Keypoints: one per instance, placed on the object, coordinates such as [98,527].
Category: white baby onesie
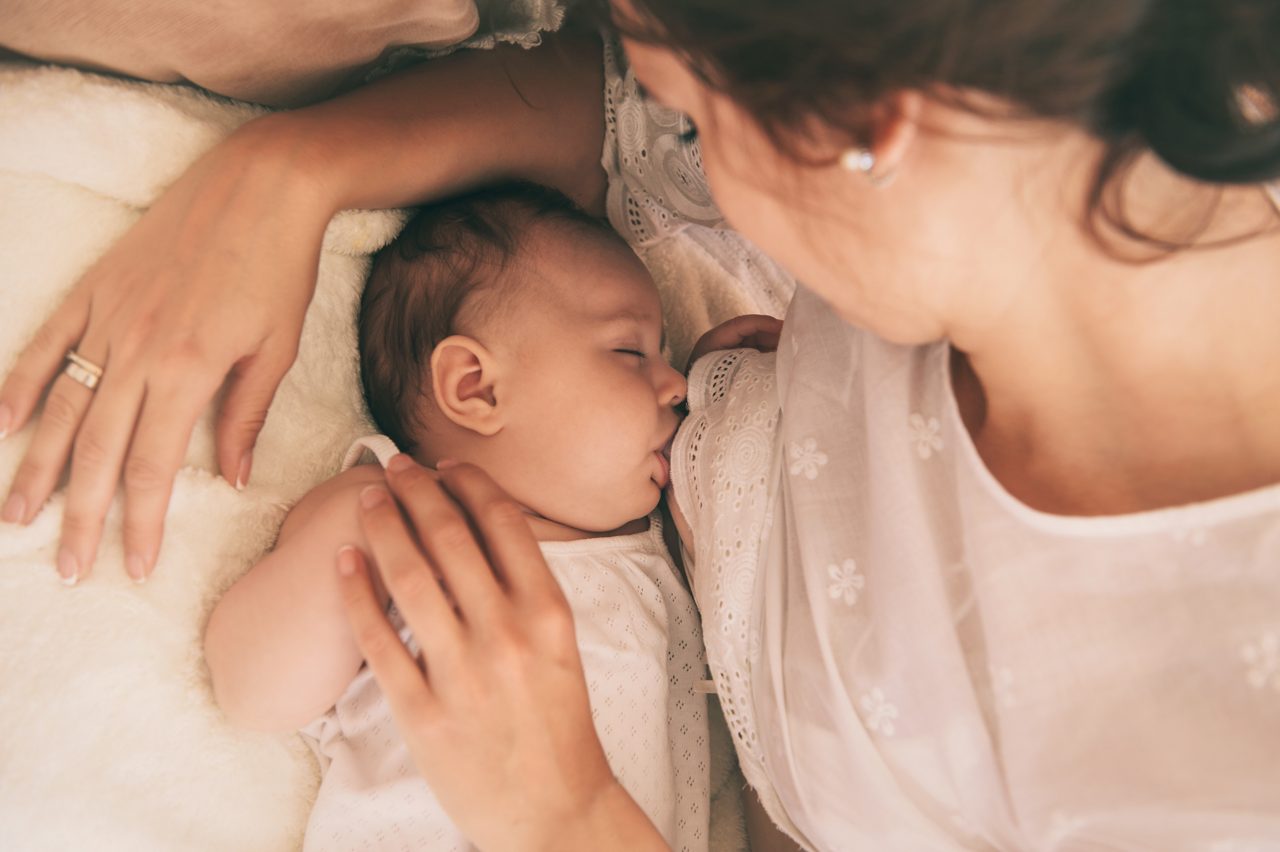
[641,650]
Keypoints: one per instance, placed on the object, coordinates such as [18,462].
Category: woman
[1006,577]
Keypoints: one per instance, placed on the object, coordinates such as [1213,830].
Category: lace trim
[723,483]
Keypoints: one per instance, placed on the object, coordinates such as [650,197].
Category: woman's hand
[211,284]
[495,712]
[214,280]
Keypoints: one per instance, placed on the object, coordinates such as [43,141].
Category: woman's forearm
[445,125]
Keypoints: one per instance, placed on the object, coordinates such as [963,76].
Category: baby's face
[590,399]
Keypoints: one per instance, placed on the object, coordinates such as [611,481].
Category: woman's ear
[895,122]
[464,380]
[892,126]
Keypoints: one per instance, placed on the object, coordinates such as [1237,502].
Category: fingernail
[137,568]
[346,560]
[6,420]
[242,475]
[14,509]
[372,496]
[399,463]
[68,568]
[445,464]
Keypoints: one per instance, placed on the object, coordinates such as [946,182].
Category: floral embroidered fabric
[911,659]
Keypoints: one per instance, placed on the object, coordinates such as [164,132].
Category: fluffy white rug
[109,739]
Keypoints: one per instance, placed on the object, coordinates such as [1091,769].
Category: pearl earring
[862,161]
[859,160]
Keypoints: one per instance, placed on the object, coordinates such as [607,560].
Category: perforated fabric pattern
[722,458]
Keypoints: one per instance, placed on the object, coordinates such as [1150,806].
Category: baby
[508,329]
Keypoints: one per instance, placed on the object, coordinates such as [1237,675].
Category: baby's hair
[446,266]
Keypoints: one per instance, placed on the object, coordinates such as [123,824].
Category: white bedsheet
[108,736]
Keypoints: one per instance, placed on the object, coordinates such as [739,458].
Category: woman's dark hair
[1195,81]
[450,257]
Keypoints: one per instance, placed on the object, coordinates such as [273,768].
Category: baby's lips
[666,448]
[663,479]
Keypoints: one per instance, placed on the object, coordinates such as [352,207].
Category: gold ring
[82,370]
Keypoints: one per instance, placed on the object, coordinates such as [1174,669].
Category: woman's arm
[212,283]
[278,646]
[471,118]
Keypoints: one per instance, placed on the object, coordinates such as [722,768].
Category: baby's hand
[751,331]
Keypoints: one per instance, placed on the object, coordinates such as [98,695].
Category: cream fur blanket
[109,739]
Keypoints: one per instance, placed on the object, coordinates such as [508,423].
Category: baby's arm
[278,646]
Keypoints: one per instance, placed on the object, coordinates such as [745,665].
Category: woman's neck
[1105,386]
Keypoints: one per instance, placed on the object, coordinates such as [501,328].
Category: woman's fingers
[448,539]
[250,389]
[397,672]
[98,452]
[409,578]
[36,368]
[133,427]
[46,455]
[155,455]
[504,530]
[39,363]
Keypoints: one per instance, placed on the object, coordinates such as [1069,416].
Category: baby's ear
[463,381]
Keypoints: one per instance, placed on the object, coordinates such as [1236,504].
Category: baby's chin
[627,525]
[625,516]
[600,517]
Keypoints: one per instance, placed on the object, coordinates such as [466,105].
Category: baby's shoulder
[331,508]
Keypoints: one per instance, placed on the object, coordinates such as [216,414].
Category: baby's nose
[675,388]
